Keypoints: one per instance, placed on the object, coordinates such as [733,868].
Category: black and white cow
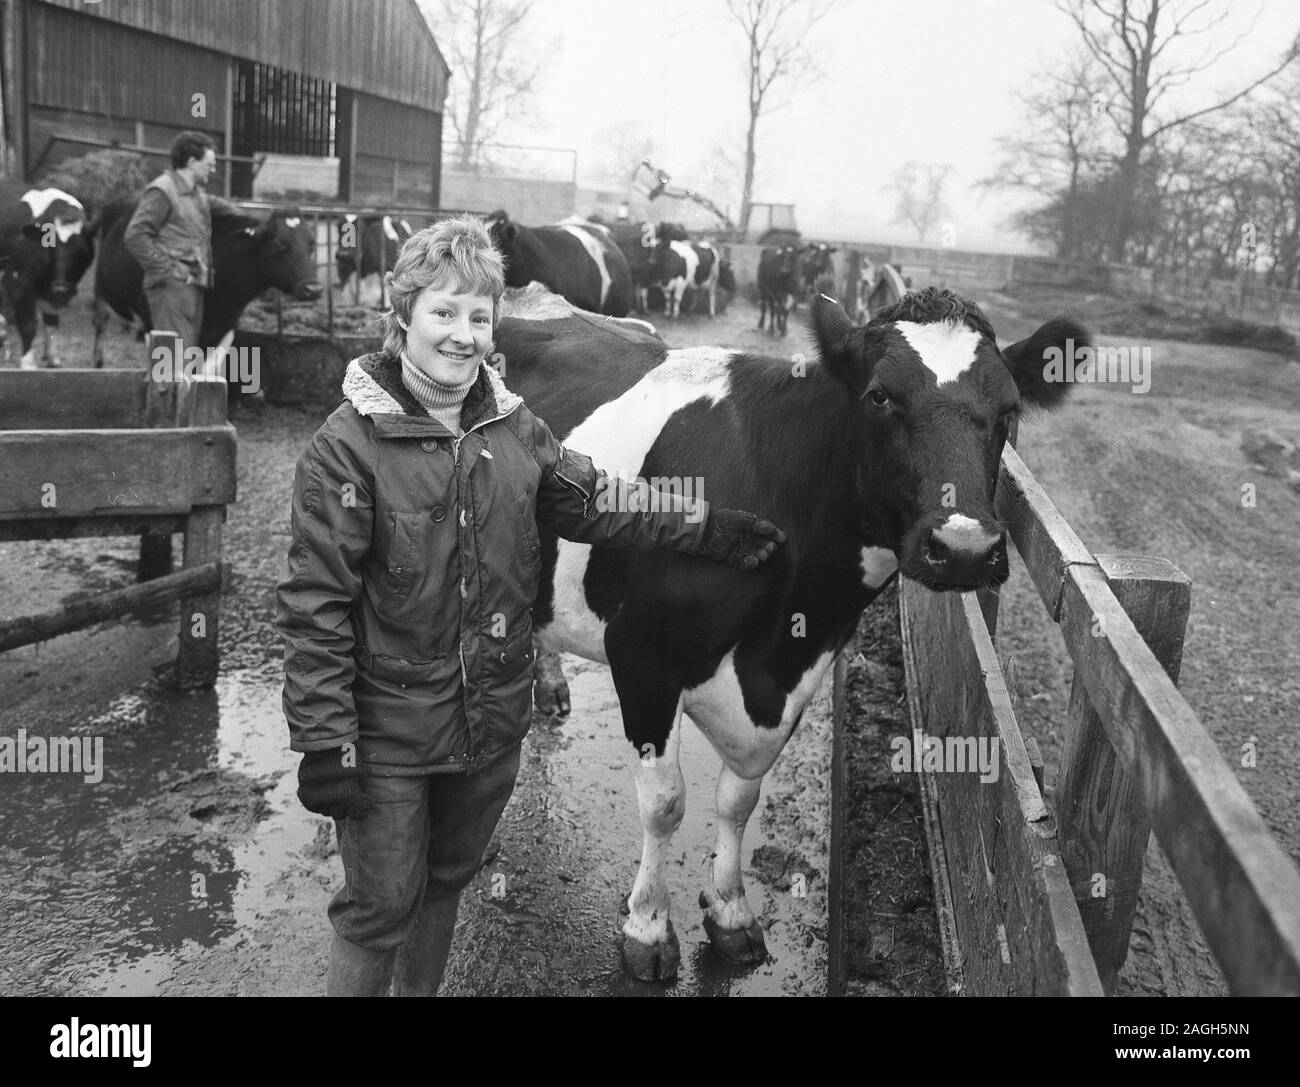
[681,266]
[576,259]
[815,262]
[249,256]
[367,250]
[778,285]
[881,458]
[46,245]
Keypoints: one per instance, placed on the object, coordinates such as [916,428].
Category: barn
[336,99]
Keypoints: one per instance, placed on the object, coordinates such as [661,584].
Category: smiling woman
[407,610]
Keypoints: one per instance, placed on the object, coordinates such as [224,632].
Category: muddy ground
[191,868]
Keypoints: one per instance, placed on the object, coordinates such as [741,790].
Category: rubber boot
[358,971]
[422,959]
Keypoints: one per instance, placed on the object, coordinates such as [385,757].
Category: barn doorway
[292,119]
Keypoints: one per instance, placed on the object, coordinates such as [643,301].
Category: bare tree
[776,36]
[494,64]
[1058,153]
[918,195]
[1134,42]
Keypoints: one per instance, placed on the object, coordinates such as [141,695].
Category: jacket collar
[373,385]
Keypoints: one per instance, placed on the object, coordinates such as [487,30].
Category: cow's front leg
[25,315]
[49,344]
[731,926]
[550,689]
[650,948]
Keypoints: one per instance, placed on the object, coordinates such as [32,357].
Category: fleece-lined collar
[373,384]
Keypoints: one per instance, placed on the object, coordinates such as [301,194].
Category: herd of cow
[882,460]
[47,243]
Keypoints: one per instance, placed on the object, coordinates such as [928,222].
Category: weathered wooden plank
[108,605]
[198,658]
[72,474]
[70,528]
[1017,923]
[945,913]
[1104,827]
[1239,881]
[71,399]
[1047,543]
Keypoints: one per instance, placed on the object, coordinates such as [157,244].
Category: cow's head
[933,399]
[502,231]
[286,254]
[59,247]
[816,260]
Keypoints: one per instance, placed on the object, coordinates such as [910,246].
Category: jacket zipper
[573,484]
[464,593]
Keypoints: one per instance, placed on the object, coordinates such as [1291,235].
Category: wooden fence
[1039,897]
[122,453]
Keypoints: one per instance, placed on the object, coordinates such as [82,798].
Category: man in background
[170,234]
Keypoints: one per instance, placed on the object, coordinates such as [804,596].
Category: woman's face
[449,334]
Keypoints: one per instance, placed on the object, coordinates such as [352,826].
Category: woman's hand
[329,784]
[740,539]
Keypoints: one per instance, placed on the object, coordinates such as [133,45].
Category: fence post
[1101,816]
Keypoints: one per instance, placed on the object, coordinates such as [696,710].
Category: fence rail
[1024,876]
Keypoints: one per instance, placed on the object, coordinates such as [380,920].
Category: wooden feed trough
[119,453]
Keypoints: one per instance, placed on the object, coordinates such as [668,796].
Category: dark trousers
[425,837]
[178,308]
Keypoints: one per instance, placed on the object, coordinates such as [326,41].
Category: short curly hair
[454,253]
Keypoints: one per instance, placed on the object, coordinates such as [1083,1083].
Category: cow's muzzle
[307,292]
[954,551]
[60,294]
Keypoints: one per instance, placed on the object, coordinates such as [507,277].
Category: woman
[406,609]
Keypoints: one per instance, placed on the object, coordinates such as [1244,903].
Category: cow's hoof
[740,945]
[652,962]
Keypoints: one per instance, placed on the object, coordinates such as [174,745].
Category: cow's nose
[309,292]
[967,553]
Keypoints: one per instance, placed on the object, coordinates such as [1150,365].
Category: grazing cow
[878,286]
[882,458]
[683,266]
[814,263]
[577,259]
[376,242]
[249,256]
[46,245]
[778,285]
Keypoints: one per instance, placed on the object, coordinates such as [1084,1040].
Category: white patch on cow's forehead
[597,254]
[946,347]
[878,566]
[960,520]
[63,231]
[39,200]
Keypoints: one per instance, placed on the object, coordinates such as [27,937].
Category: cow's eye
[878,397]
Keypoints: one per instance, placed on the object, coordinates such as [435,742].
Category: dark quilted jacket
[414,566]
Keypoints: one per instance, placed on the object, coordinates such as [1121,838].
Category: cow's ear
[1038,362]
[839,341]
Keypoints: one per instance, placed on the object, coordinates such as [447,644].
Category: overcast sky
[930,80]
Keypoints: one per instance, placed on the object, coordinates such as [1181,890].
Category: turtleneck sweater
[443,402]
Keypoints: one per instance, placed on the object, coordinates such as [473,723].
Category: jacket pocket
[403,553]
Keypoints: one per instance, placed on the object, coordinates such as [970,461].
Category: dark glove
[328,787]
[740,539]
